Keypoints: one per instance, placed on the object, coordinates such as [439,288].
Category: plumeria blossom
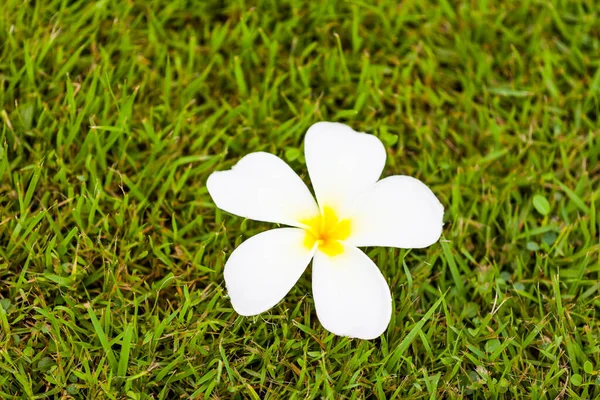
[353,209]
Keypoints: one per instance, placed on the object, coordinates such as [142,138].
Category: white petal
[262,187]
[351,296]
[398,211]
[341,162]
[263,269]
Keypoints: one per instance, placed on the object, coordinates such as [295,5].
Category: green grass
[112,252]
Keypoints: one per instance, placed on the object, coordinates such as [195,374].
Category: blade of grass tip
[239,77]
[345,70]
[31,188]
[557,296]
[125,348]
[20,196]
[453,268]
[4,322]
[226,364]
[4,167]
[403,346]
[168,368]
[409,279]
[573,197]
[103,339]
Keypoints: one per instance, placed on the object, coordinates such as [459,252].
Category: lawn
[114,113]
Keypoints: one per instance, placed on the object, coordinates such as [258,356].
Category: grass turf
[111,251]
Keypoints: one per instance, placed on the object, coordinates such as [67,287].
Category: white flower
[353,209]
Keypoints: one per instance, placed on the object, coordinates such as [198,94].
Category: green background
[112,252]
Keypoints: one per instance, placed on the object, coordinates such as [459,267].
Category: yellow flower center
[327,231]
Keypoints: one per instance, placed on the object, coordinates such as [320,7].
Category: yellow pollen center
[327,231]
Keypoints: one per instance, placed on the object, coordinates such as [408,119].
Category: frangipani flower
[353,209]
